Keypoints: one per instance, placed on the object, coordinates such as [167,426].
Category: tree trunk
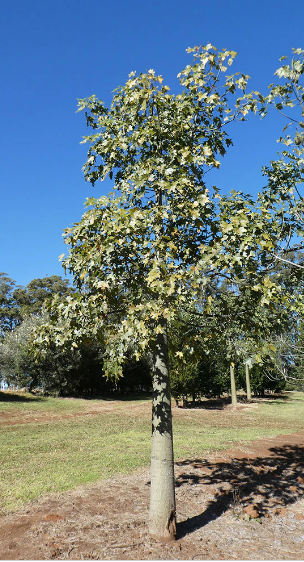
[233,391]
[248,389]
[162,500]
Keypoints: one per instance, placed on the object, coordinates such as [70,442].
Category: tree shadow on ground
[7,396]
[14,397]
[223,402]
[118,397]
[269,482]
[209,404]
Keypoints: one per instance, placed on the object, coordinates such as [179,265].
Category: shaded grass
[48,455]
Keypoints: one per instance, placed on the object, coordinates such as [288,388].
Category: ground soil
[246,503]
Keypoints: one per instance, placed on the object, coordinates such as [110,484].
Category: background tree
[34,296]
[66,371]
[21,311]
[9,309]
[17,367]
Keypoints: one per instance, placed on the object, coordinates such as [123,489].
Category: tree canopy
[139,253]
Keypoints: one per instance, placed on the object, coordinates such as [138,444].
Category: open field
[84,463]
[54,444]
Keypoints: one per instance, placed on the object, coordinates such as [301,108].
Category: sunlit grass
[39,456]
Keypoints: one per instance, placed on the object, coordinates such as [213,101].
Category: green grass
[199,431]
[15,402]
[42,453]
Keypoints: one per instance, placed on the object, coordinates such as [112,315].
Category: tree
[282,193]
[17,366]
[214,371]
[292,354]
[20,312]
[138,255]
[58,372]
[9,310]
[31,298]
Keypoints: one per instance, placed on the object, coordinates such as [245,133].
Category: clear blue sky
[55,51]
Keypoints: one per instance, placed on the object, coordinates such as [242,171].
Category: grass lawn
[54,444]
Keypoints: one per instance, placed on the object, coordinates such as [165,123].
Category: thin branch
[288,261]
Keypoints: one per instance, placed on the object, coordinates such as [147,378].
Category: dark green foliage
[185,382]
[70,371]
[64,372]
[214,376]
[16,364]
[30,299]
[61,371]
[294,350]
[265,378]
[9,309]
[137,376]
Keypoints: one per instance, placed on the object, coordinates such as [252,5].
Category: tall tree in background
[17,367]
[9,309]
[139,255]
[30,299]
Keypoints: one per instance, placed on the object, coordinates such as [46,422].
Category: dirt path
[108,520]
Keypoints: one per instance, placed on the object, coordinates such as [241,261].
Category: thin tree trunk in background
[233,390]
[162,523]
[248,389]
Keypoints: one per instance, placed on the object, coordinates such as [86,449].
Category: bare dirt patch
[7,419]
[217,495]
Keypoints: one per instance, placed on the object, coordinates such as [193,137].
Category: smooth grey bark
[233,390]
[248,389]
[162,523]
